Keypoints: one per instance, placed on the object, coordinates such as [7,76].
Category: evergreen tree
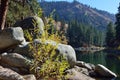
[110,34]
[79,34]
[19,9]
[118,24]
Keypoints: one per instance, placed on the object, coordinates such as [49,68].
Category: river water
[104,58]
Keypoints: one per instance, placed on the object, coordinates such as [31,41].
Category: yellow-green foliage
[51,33]
[47,64]
[118,48]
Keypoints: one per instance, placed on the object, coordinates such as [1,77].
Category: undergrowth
[46,65]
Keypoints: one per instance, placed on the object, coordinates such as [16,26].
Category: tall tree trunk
[3,12]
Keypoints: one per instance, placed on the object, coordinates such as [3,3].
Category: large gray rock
[65,50]
[68,52]
[32,23]
[104,72]
[7,74]
[11,37]
[15,60]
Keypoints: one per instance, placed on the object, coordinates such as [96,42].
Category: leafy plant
[47,63]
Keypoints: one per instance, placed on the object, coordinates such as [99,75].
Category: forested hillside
[77,11]
[84,35]
[87,26]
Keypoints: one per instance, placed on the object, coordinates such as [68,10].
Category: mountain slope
[76,11]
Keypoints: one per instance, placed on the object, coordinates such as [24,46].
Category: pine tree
[118,24]
[110,34]
[19,9]
[79,34]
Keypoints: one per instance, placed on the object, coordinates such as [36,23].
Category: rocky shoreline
[15,56]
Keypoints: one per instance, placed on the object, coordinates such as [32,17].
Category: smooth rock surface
[7,74]
[22,71]
[31,23]
[15,60]
[85,65]
[11,37]
[75,75]
[68,52]
[29,77]
[104,72]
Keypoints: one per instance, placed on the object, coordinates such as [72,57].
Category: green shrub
[46,65]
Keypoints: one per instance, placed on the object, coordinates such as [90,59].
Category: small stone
[29,77]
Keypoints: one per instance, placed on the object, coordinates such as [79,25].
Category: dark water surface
[104,58]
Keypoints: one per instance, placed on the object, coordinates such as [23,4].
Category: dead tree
[3,12]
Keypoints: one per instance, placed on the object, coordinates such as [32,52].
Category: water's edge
[105,58]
